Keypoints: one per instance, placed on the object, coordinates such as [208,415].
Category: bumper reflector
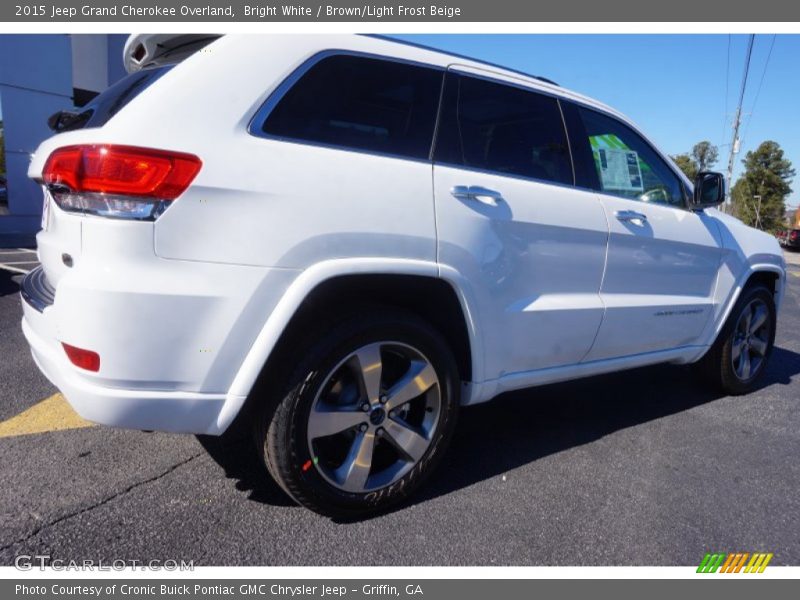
[85,359]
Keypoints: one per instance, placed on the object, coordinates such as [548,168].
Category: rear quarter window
[361,103]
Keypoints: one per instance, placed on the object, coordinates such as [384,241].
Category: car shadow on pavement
[7,284]
[524,426]
[237,456]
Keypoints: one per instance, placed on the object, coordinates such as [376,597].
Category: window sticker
[617,164]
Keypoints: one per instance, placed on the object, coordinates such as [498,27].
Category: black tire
[282,427]
[719,366]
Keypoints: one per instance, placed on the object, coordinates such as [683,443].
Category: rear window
[361,103]
[102,108]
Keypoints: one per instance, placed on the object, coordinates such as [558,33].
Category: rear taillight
[793,236]
[118,181]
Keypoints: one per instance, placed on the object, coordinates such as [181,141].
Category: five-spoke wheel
[739,356]
[751,339]
[365,416]
[374,416]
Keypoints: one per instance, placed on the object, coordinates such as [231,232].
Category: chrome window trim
[262,113]
[453,69]
[487,75]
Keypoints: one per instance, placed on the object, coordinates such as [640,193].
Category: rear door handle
[630,215]
[478,193]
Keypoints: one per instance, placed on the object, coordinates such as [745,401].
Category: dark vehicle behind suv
[789,238]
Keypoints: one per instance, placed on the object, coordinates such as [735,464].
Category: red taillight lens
[118,181]
[122,171]
[85,359]
[793,235]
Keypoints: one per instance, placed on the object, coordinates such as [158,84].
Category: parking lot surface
[642,468]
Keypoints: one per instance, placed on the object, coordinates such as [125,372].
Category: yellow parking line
[51,414]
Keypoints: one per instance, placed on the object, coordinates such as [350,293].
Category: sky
[679,89]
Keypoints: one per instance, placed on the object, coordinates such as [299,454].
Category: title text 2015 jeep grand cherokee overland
[339,240]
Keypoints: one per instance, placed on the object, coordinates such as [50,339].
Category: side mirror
[709,190]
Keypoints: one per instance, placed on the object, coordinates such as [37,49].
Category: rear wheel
[739,357]
[365,416]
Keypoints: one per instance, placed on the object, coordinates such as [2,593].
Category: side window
[625,164]
[361,103]
[502,128]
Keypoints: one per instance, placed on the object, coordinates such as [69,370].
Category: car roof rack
[463,56]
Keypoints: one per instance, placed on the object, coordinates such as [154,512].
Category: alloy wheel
[751,340]
[374,417]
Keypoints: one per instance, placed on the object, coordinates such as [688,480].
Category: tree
[744,204]
[763,187]
[705,155]
[702,157]
[686,164]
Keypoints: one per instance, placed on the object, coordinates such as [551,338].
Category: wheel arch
[769,274]
[440,296]
[769,277]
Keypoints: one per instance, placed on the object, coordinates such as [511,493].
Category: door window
[624,163]
[502,128]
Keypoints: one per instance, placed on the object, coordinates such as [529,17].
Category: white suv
[336,241]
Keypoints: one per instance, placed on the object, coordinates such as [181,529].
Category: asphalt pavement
[643,467]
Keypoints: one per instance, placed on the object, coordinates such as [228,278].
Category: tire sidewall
[312,373]
[728,373]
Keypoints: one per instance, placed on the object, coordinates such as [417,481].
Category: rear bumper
[171,335]
[182,412]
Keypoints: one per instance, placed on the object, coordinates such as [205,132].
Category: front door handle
[630,215]
[478,193]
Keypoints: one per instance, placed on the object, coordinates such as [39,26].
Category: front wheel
[740,355]
[365,417]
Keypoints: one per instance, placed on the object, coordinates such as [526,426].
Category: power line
[746,68]
[738,119]
[758,91]
[727,79]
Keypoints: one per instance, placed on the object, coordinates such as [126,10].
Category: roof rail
[464,56]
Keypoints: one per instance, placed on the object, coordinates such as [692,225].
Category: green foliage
[705,155]
[767,176]
[686,164]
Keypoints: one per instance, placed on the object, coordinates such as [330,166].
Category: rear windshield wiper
[67,120]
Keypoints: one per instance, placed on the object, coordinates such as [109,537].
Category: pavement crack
[102,502]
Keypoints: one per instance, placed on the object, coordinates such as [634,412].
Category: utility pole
[758,211]
[737,121]
[734,151]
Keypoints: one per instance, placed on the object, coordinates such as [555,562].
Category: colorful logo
[734,562]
